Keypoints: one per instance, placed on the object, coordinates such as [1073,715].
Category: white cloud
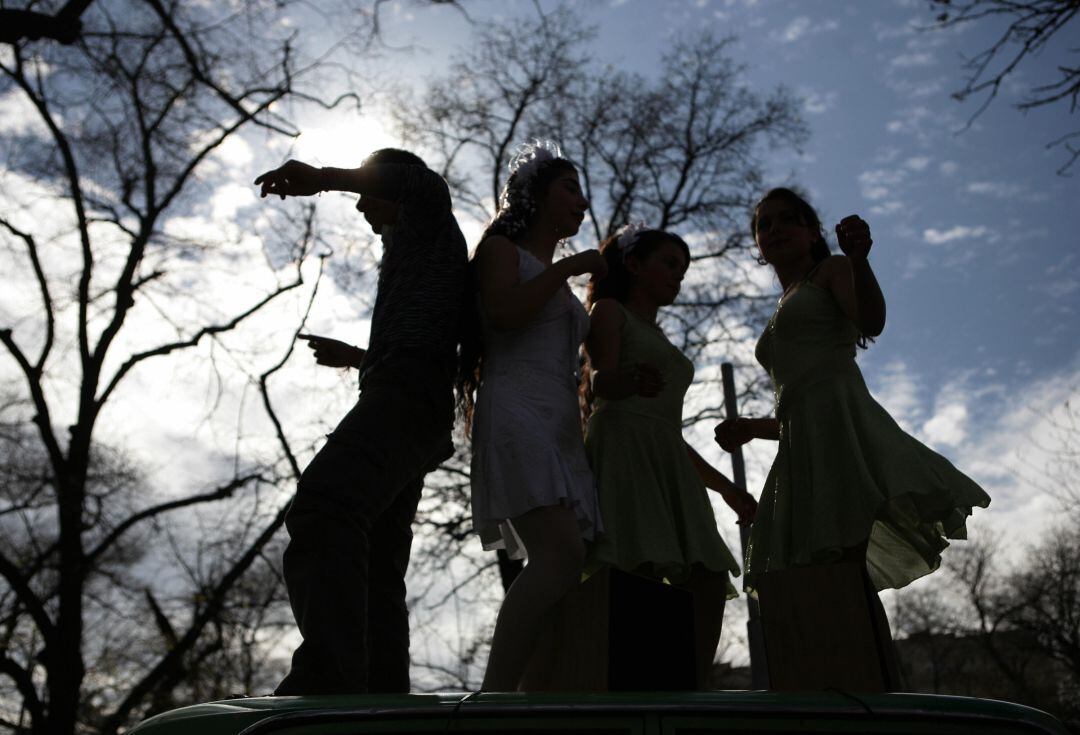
[230,198]
[795,29]
[958,232]
[948,168]
[998,189]
[897,390]
[1004,435]
[19,117]
[918,163]
[1060,288]
[1018,442]
[802,26]
[235,152]
[921,88]
[887,154]
[878,184]
[887,208]
[910,121]
[816,103]
[905,61]
[913,265]
[884,32]
[947,425]
[1065,265]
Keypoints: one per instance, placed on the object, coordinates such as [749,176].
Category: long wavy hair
[515,215]
[617,283]
[819,249]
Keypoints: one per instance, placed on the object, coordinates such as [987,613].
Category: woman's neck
[792,272]
[644,307]
[541,243]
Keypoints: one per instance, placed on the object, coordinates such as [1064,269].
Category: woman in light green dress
[847,484]
[651,484]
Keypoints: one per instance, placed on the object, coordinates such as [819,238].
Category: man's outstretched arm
[299,179]
[334,352]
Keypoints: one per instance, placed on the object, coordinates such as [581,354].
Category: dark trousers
[350,531]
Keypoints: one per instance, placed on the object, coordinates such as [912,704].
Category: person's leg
[388,615]
[372,455]
[325,570]
[556,555]
[891,675]
[710,596]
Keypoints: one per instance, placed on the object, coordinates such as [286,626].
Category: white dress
[528,450]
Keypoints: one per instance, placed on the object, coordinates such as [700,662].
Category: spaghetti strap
[810,273]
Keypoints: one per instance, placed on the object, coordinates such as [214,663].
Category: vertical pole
[759,672]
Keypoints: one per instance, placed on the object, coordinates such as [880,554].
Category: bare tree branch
[224,491]
[25,684]
[1032,25]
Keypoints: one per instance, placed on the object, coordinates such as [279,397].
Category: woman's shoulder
[496,242]
[829,268]
[607,312]
[497,248]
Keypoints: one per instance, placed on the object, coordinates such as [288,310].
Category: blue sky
[974,232]
[975,235]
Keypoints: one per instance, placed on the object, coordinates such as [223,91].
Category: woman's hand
[743,503]
[333,352]
[731,434]
[853,237]
[587,261]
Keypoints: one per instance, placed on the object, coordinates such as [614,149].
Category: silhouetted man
[350,525]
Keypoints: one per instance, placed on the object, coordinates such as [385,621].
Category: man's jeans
[350,529]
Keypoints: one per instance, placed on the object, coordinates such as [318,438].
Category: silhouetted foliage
[989,627]
[1033,27]
[110,260]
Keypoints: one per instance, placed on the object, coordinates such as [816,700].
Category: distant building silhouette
[1009,665]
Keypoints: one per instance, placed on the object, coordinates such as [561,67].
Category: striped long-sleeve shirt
[422,275]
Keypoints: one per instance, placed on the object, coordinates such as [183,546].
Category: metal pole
[759,671]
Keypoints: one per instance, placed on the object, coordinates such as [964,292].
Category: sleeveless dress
[657,517]
[527,449]
[845,473]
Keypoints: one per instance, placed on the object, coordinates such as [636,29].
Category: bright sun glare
[342,140]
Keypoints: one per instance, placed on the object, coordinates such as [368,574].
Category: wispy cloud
[878,184]
[998,189]
[1062,288]
[920,88]
[18,116]
[815,103]
[917,163]
[1001,432]
[802,26]
[230,199]
[909,60]
[910,121]
[948,425]
[935,236]
[897,390]
[887,208]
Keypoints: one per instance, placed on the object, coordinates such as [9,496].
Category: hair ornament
[628,236]
[517,203]
[528,157]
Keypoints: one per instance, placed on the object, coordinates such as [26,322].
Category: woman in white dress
[532,490]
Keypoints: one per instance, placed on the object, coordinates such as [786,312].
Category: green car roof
[626,712]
